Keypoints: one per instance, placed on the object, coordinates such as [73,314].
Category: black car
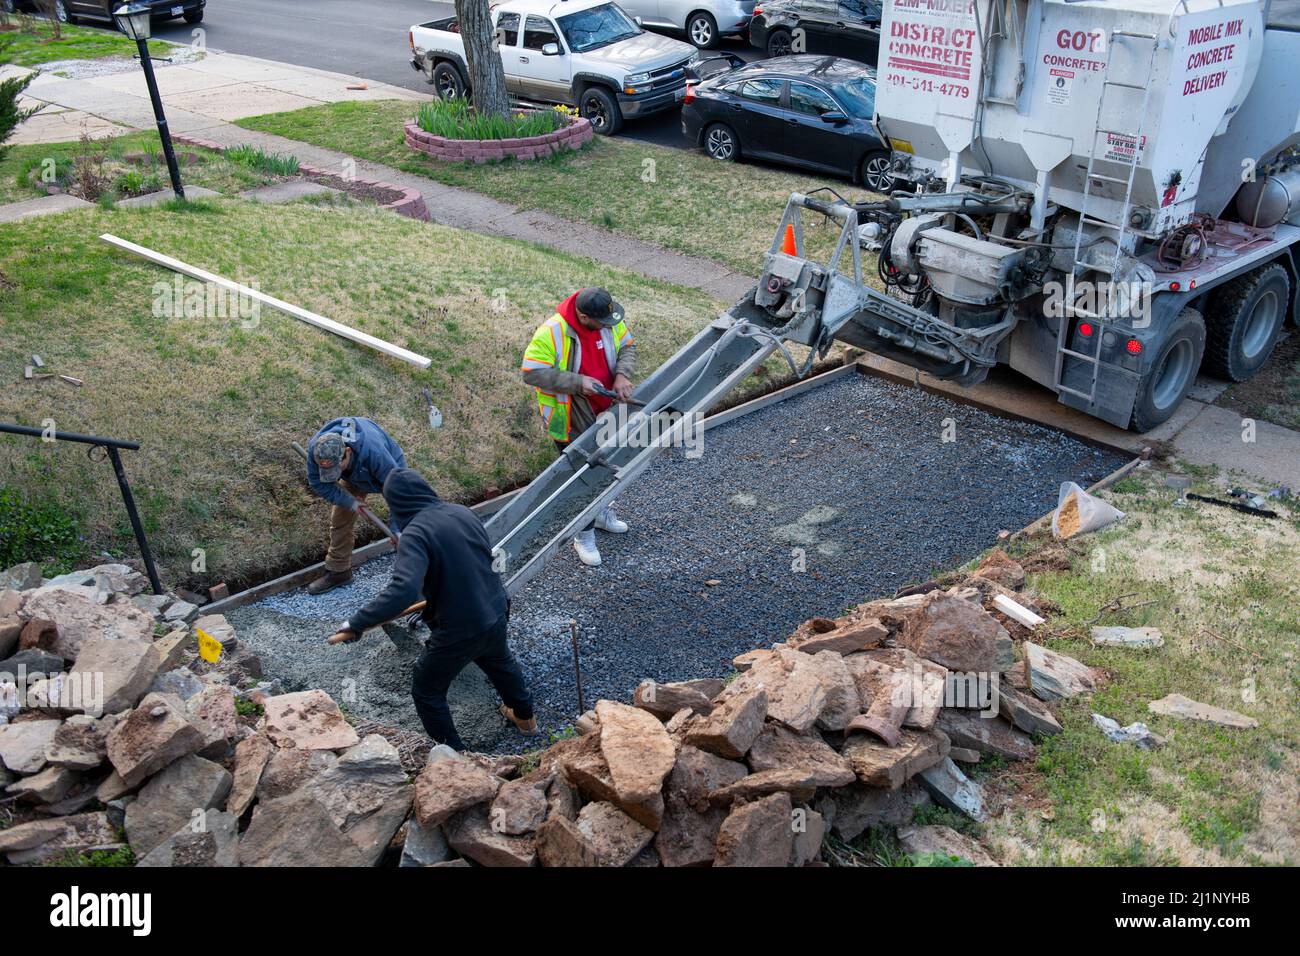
[847,28]
[70,11]
[811,111]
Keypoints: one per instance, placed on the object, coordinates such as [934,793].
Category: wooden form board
[311,318]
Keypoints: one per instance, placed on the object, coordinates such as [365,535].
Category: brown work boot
[528,726]
[329,581]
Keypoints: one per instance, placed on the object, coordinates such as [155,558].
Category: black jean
[444,658]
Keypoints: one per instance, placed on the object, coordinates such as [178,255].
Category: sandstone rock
[172,649]
[821,634]
[679,724]
[562,798]
[80,742]
[614,836]
[215,706]
[698,773]
[423,846]
[1026,712]
[212,842]
[809,831]
[955,633]
[22,745]
[38,634]
[792,681]
[80,618]
[799,784]
[180,682]
[1000,567]
[842,700]
[219,629]
[373,833]
[988,735]
[690,824]
[943,840]
[1054,676]
[365,792]
[757,834]
[11,629]
[178,612]
[520,805]
[21,577]
[743,662]
[251,757]
[44,840]
[112,788]
[664,700]
[850,810]
[926,686]
[780,748]
[48,786]
[150,737]
[296,831]
[11,603]
[309,720]
[30,665]
[637,750]
[128,667]
[447,787]
[953,789]
[561,843]
[587,723]
[289,770]
[964,755]
[732,726]
[169,800]
[890,703]
[1176,705]
[586,769]
[471,835]
[879,765]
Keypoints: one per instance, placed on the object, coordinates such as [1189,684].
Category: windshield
[858,97]
[596,27]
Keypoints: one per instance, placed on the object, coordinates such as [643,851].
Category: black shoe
[329,581]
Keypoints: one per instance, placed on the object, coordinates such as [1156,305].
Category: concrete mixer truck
[1108,198]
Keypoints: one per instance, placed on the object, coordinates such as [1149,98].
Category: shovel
[435,416]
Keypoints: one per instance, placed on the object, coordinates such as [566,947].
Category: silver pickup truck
[583,53]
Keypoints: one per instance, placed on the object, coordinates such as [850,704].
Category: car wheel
[447,82]
[779,43]
[1245,317]
[721,143]
[9,6]
[61,11]
[599,108]
[702,30]
[193,16]
[877,172]
[1163,388]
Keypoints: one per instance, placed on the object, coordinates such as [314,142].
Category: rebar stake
[577,667]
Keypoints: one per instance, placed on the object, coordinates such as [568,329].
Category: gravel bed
[804,508]
[110,65]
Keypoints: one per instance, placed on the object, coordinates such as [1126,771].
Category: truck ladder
[1092,177]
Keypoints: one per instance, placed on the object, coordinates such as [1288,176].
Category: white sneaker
[585,544]
[608,521]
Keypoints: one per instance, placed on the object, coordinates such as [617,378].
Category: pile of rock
[850,723]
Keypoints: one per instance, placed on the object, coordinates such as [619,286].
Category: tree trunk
[487,77]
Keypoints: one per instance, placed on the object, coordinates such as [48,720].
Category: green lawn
[37,45]
[678,199]
[215,405]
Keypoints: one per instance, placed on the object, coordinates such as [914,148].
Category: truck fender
[434,57]
[583,80]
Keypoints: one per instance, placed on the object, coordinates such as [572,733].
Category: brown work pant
[343,533]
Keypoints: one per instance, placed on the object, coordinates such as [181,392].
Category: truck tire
[447,81]
[599,108]
[192,16]
[779,43]
[702,30]
[1245,317]
[1163,388]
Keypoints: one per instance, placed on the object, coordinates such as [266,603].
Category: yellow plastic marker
[209,646]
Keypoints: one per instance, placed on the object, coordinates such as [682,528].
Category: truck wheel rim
[721,145]
[701,32]
[1175,370]
[447,87]
[596,114]
[61,11]
[1259,327]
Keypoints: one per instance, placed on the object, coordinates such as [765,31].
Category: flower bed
[572,136]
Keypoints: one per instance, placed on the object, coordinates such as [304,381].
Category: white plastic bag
[1078,512]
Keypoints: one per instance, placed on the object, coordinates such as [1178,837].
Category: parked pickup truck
[583,53]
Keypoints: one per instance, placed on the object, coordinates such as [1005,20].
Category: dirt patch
[359,190]
[1274,394]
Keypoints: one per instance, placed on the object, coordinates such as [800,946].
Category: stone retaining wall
[494,150]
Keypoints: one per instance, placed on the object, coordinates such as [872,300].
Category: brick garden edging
[410,205]
[494,150]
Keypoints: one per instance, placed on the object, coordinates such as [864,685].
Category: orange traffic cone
[787,243]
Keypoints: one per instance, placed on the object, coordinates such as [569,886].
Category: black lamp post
[133,19]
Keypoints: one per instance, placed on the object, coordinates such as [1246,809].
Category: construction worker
[347,459]
[581,349]
[444,555]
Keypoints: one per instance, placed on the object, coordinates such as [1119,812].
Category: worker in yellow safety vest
[583,348]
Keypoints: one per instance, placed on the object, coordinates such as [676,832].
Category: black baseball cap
[599,306]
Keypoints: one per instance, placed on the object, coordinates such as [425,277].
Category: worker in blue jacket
[347,459]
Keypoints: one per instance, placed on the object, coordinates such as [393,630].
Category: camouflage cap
[328,455]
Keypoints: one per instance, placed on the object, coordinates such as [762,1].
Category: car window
[538,32]
[597,27]
[857,96]
[763,91]
[508,29]
[860,10]
[809,99]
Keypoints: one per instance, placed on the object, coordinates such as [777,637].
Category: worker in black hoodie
[444,555]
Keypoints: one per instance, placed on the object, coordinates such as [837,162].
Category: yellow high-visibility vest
[555,345]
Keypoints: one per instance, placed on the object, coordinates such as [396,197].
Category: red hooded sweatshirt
[594,362]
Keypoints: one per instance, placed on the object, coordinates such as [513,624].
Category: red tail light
[1085,329]
[410,38]
[1134,347]
[690,94]
[757,11]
